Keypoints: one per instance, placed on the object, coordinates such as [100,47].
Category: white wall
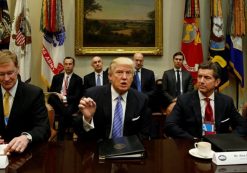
[173,11]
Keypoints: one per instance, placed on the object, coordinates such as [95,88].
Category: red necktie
[208,112]
[65,85]
[209,118]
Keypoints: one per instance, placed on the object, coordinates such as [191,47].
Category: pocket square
[134,119]
[225,120]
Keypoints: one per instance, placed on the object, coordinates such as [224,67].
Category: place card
[230,158]
[4,161]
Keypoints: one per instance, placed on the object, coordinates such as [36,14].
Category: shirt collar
[69,75]
[101,73]
[202,97]
[114,94]
[140,69]
[178,69]
[12,91]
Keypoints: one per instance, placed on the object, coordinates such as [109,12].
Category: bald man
[98,77]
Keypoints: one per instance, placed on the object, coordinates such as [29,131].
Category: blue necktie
[118,118]
[138,82]
[98,83]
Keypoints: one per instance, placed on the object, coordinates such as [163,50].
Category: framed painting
[118,27]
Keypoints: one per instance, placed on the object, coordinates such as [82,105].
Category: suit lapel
[61,81]
[71,82]
[197,106]
[217,110]
[2,124]
[108,109]
[17,103]
[142,78]
[130,107]
[105,76]
[183,79]
[173,81]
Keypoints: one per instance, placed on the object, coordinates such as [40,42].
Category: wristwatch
[29,137]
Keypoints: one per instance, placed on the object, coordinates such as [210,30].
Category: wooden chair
[51,116]
[158,115]
[244,110]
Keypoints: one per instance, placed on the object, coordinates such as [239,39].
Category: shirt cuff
[29,137]
[87,126]
[64,99]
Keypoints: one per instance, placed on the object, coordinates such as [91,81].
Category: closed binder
[127,147]
[227,142]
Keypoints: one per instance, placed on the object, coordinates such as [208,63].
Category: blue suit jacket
[147,81]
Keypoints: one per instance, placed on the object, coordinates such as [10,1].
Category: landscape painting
[118,26]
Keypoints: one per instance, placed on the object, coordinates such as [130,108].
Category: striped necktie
[66,84]
[98,83]
[138,81]
[118,119]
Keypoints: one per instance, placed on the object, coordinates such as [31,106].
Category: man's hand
[169,108]
[17,144]
[60,96]
[87,107]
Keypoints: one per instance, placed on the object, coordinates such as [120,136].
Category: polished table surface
[163,156]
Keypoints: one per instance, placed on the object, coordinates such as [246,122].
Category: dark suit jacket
[169,83]
[89,80]
[137,114]
[147,81]
[74,92]
[185,120]
[28,114]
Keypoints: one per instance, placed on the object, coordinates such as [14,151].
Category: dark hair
[178,53]
[211,66]
[68,57]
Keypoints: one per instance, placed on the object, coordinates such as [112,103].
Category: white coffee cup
[203,148]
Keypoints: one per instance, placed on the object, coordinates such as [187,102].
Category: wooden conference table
[163,156]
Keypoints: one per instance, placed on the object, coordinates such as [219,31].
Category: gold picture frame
[153,46]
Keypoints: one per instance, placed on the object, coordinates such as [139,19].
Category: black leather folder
[127,147]
[227,142]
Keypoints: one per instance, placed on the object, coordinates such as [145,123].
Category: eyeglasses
[9,73]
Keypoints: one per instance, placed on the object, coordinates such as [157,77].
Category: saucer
[193,152]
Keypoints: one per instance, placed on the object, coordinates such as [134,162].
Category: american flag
[20,38]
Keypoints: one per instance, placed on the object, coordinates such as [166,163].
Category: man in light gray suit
[176,81]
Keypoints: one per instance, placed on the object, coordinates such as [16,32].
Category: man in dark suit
[143,76]
[23,115]
[68,91]
[170,79]
[98,77]
[100,104]
[189,118]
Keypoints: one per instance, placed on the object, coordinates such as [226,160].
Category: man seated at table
[23,118]
[115,109]
[204,111]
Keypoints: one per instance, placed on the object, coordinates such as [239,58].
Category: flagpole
[237,92]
